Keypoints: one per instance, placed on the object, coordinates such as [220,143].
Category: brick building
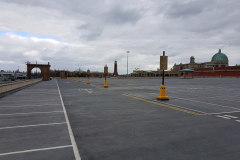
[218,60]
[217,67]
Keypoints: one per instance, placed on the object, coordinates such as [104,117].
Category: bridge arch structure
[45,70]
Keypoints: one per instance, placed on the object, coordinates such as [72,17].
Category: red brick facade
[231,71]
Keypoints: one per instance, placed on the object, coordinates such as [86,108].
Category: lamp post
[127,63]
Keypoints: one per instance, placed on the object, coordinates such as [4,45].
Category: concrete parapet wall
[143,77]
[11,86]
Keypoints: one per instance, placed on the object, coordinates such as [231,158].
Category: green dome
[219,56]
[192,57]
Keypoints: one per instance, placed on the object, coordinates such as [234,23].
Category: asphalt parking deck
[33,126]
[125,121]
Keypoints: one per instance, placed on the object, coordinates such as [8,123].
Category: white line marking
[182,107]
[87,90]
[34,150]
[230,116]
[224,117]
[30,113]
[225,112]
[30,100]
[207,103]
[33,105]
[238,120]
[49,124]
[75,148]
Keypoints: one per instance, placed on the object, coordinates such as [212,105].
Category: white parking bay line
[230,116]
[225,112]
[48,124]
[224,117]
[30,113]
[238,120]
[207,103]
[31,100]
[35,105]
[75,148]
[34,150]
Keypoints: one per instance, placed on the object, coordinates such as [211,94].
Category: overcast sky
[89,33]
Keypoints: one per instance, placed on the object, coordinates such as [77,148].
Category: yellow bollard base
[162,94]
[105,84]
[88,82]
[162,98]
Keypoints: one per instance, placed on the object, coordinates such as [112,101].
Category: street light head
[127,51]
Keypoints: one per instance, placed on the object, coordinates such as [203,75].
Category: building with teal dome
[219,56]
[218,60]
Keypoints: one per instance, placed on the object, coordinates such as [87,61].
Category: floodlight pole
[127,63]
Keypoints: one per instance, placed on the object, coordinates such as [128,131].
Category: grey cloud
[120,15]
[163,46]
[93,35]
[117,57]
[73,7]
[85,26]
[91,32]
[180,10]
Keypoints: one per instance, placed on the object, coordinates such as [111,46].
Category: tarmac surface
[63,119]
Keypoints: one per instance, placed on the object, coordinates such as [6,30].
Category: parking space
[33,125]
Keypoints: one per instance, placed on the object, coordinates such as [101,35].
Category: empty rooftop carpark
[64,119]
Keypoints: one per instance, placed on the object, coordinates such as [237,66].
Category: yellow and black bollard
[162,94]
[105,72]
[88,73]
[105,84]
[163,66]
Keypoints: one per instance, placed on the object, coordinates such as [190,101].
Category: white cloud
[86,35]
[35,39]
[6,62]
[31,53]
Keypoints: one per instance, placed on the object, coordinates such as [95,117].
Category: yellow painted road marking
[167,106]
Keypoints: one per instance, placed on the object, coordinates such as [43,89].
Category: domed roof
[219,56]
[192,57]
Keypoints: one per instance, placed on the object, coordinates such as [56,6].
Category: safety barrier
[11,86]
